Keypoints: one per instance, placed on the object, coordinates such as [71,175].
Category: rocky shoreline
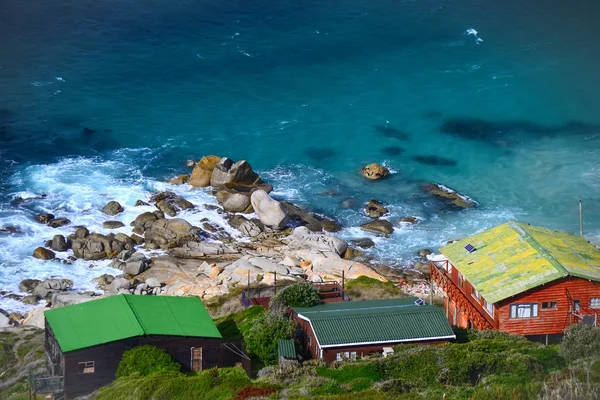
[165,254]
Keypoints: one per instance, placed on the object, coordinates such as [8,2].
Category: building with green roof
[354,329]
[85,342]
[519,278]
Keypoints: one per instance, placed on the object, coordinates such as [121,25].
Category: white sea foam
[474,33]
[388,165]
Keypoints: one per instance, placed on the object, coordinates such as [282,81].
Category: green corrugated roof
[515,257]
[286,349]
[125,316]
[376,321]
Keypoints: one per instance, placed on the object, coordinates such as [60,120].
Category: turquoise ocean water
[308,92]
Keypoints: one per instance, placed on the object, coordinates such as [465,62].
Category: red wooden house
[520,279]
[355,329]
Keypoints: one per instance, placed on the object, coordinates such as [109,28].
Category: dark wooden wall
[54,356]
[554,321]
[107,357]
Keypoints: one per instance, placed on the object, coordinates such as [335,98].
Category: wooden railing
[463,302]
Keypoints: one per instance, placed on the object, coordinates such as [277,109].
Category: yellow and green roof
[126,316]
[376,321]
[514,257]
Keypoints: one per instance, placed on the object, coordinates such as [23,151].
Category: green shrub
[581,341]
[350,372]
[262,337]
[213,384]
[548,356]
[301,294]
[327,388]
[366,288]
[236,326]
[146,360]
[419,366]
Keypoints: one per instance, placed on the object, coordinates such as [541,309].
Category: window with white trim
[524,310]
[460,280]
[353,355]
[488,307]
[87,367]
[339,356]
[475,293]
[595,302]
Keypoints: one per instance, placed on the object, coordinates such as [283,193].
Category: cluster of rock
[52,221]
[282,241]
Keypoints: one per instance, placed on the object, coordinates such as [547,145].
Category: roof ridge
[137,319]
[365,308]
[539,248]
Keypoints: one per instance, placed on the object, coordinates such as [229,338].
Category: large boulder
[329,268]
[81,232]
[201,250]
[378,226]
[314,222]
[135,267]
[143,222]
[232,201]
[202,172]
[168,233]
[100,247]
[245,226]
[170,203]
[269,211]
[375,209]
[112,208]
[44,218]
[60,243]
[112,224]
[58,222]
[180,179]
[226,171]
[118,284]
[302,238]
[43,254]
[48,287]
[28,285]
[374,171]
[449,196]
[62,299]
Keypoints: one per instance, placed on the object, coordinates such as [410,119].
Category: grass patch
[365,288]
[236,326]
[213,384]
[351,372]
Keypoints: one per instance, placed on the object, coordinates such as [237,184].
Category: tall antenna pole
[580,220]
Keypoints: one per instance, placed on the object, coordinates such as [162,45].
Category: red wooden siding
[553,321]
[465,311]
[460,301]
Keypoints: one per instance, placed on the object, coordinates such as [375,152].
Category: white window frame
[461,280]
[475,293]
[595,302]
[524,310]
[488,307]
[89,367]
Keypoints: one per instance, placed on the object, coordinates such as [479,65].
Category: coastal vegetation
[481,365]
